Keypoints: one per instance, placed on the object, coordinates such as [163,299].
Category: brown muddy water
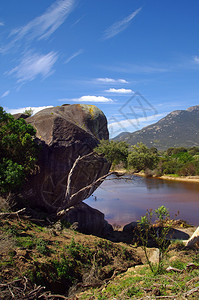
[126,200]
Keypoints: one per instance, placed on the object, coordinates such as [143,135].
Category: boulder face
[67,134]
[88,220]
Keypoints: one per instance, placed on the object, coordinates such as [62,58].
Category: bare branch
[72,201]
[68,188]
[190,292]
[12,214]
[169,269]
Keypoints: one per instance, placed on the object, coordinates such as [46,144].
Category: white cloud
[120,26]
[119,91]
[73,56]
[33,65]
[43,26]
[1,24]
[6,93]
[89,99]
[196,59]
[111,80]
[22,109]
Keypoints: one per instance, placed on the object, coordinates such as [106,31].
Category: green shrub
[18,152]
[141,158]
[42,247]
[157,232]
[115,152]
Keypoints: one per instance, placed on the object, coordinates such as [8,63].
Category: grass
[172,175]
[59,258]
[140,283]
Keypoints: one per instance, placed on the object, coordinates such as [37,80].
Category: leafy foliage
[28,112]
[18,152]
[157,234]
[142,158]
[115,152]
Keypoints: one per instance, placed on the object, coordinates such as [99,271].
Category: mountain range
[179,128]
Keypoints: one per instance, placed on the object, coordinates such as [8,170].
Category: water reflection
[125,200]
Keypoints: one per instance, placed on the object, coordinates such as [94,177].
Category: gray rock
[87,220]
[20,116]
[130,227]
[66,133]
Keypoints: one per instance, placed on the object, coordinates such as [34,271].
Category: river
[126,200]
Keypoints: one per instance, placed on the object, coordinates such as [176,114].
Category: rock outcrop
[67,135]
[88,220]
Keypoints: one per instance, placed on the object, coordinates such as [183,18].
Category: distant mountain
[180,128]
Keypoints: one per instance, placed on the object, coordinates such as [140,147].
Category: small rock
[173,258]
[130,227]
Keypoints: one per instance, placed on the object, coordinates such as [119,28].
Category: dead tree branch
[12,215]
[72,199]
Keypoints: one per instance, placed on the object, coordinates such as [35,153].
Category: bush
[189,169]
[18,152]
[115,152]
[141,158]
[157,232]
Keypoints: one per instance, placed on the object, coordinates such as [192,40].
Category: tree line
[180,161]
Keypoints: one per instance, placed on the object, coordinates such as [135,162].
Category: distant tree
[183,157]
[28,112]
[115,152]
[154,150]
[189,169]
[172,150]
[194,150]
[141,158]
[18,152]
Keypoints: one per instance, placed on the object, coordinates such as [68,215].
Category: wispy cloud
[111,80]
[120,26]
[89,99]
[73,56]
[6,93]
[77,21]
[119,91]
[43,26]
[2,24]
[33,65]
[22,109]
[196,59]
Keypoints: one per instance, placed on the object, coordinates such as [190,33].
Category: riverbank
[173,177]
[164,177]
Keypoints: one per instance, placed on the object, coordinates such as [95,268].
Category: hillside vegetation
[180,128]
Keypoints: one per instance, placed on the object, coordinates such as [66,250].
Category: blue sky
[137,60]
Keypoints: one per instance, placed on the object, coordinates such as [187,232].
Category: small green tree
[141,158]
[18,152]
[157,231]
[28,112]
[115,152]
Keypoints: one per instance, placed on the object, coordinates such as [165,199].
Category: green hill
[177,129]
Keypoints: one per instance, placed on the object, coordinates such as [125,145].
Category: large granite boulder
[67,135]
[86,219]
